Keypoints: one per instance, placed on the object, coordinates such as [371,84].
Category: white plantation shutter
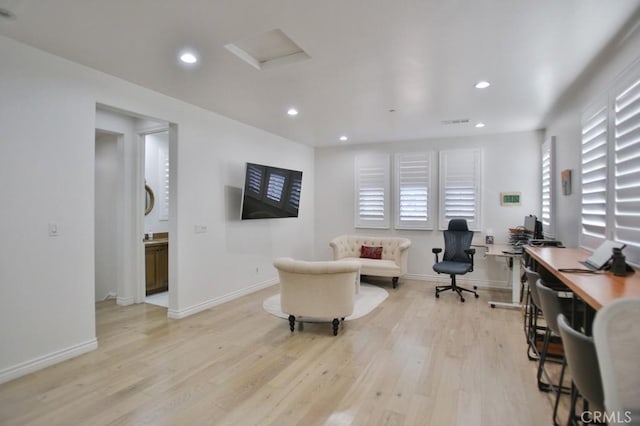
[255,174]
[294,197]
[548,177]
[372,191]
[594,176]
[611,168]
[627,167]
[414,190]
[460,182]
[163,165]
[275,187]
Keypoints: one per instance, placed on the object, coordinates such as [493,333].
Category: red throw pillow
[370,252]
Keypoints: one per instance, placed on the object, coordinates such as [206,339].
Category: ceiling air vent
[268,49]
[456,121]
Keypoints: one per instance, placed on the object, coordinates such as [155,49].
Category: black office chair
[457,258]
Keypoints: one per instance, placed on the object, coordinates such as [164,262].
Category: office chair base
[457,289]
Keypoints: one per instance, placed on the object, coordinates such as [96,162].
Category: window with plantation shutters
[611,168]
[275,187]
[626,109]
[294,197]
[414,190]
[547,191]
[255,175]
[593,176]
[372,191]
[460,182]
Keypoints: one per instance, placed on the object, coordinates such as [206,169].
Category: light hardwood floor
[415,360]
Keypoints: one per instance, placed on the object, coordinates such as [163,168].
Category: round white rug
[367,300]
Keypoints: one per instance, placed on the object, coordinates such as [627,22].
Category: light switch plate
[54,230]
[200,229]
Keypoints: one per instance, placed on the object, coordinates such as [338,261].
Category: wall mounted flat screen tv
[270,192]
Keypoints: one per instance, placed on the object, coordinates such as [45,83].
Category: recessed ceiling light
[188,58]
[343,138]
[482,84]
[292,112]
[479,125]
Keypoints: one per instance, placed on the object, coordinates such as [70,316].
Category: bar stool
[551,308]
[582,360]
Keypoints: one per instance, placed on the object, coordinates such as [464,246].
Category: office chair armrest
[470,252]
[436,251]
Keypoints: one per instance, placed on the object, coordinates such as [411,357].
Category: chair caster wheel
[477,296]
[462,299]
[437,296]
[493,306]
[475,287]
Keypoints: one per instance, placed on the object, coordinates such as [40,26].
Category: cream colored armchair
[317,289]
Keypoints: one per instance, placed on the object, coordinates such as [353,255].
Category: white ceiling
[420,58]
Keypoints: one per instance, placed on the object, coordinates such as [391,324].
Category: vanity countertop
[158,239]
[156,242]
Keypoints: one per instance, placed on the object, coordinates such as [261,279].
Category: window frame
[548,176]
[474,155]
[617,205]
[427,179]
[375,165]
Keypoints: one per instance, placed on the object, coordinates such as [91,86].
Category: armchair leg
[292,322]
[336,323]
[394,282]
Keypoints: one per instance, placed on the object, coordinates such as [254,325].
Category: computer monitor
[530,224]
[533,227]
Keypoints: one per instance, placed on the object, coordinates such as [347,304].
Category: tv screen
[270,192]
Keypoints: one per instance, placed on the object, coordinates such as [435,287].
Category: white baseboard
[39,363]
[125,301]
[487,284]
[183,313]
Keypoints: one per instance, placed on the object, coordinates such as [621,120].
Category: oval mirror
[149,199]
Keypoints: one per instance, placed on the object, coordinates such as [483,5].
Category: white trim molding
[179,314]
[47,360]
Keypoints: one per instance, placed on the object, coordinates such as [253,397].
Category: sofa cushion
[377,267]
[371,252]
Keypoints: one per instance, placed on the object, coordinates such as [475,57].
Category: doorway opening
[122,230]
[156,217]
[106,214]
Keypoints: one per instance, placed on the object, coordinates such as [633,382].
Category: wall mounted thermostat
[510,198]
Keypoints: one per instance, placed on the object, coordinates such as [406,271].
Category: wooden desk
[597,290]
[514,278]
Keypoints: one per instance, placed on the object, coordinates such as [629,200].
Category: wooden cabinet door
[162,268]
[156,268]
[150,269]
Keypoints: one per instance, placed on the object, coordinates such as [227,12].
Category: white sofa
[395,251]
[317,289]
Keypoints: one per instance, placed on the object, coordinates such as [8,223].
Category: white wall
[564,122]
[128,244]
[510,164]
[48,121]
[106,213]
